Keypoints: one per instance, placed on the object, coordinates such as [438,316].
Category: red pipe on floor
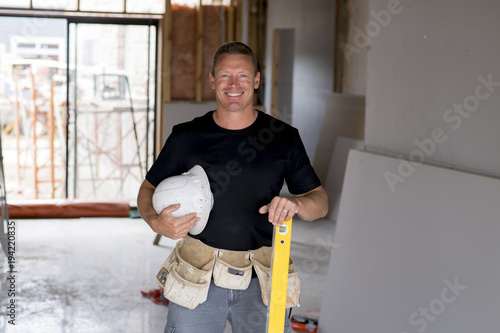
[67,209]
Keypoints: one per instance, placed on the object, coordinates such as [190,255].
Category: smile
[234,94]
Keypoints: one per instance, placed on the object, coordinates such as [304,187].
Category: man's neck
[235,120]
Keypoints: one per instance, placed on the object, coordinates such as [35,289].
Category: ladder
[3,204]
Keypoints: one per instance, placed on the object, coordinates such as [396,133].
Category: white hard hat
[191,190]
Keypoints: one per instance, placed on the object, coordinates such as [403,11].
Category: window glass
[194,3]
[141,6]
[112,140]
[56,4]
[33,77]
[102,5]
[15,3]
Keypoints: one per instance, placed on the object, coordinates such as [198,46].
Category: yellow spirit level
[282,238]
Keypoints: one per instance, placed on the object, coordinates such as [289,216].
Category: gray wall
[313,22]
[417,243]
[426,93]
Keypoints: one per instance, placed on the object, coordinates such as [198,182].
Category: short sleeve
[167,163]
[301,177]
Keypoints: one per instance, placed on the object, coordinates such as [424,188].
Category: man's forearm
[312,205]
[145,202]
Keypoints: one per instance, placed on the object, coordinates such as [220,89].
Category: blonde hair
[235,48]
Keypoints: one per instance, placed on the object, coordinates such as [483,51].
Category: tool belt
[186,274]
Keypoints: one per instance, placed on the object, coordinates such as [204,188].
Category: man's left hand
[280,209]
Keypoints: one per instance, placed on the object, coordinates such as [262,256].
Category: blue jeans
[244,310]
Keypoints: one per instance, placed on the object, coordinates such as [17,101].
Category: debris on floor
[306,321]
[156,296]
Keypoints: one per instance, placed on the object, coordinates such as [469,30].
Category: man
[247,156]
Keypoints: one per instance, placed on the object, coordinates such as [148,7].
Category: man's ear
[212,80]
[256,81]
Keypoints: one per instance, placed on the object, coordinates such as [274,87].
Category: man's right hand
[164,223]
[173,227]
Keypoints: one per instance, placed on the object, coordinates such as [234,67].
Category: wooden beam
[199,52]
[245,17]
[275,72]
[164,53]
[253,27]
[340,37]
[230,23]
[238,22]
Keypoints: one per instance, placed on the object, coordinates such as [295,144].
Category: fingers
[264,209]
[181,225]
[279,210]
[170,209]
[175,227]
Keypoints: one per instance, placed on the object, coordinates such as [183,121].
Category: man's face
[234,82]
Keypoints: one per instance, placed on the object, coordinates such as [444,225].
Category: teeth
[234,94]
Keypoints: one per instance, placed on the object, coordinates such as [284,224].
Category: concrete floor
[85,275]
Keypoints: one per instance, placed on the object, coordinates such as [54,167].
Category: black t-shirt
[246,169]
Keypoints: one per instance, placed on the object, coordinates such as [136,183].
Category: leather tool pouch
[263,269]
[183,283]
[186,274]
[231,276]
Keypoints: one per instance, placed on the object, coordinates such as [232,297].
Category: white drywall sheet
[422,258]
[433,65]
[180,112]
[336,171]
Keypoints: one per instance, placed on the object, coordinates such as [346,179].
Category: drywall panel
[283,71]
[433,65]
[336,172]
[180,112]
[420,257]
[314,25]
[344,116]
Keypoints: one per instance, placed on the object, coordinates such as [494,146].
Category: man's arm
[164,223]
[309,206]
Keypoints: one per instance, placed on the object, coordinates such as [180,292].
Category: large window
[112,6]
[112,104]
[80,127]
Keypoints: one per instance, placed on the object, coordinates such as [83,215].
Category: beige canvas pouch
[262,266]
[232,269]
[184,283]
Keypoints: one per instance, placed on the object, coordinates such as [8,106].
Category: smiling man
[247,156]
[234,79]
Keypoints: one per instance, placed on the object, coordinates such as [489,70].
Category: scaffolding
[37,122]
[106,145]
